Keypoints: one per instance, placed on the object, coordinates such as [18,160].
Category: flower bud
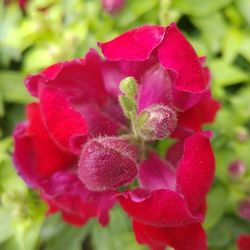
[107,163]
[237,169]
[244,209]
[128,86]
[112,6]
[159,122]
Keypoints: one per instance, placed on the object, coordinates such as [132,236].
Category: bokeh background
[37,33]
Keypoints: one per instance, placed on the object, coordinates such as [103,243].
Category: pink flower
[113,6]
[243,242]
[77,147]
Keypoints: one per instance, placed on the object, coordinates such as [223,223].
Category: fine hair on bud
[107,163]
[159,122]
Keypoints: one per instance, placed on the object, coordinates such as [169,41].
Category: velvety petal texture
[65,192]
[191,237]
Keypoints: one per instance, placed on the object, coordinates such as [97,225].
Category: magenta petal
[176,53]
[62,121]
[156,88]
[160,208]
[65,192]
[134,45]
[195,170]
[155,173]
[190,237]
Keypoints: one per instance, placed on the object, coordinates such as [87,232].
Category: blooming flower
[78,149]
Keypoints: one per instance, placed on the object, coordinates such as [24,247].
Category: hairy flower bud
[157,122]
[236,169]
[244,209]
[113,6]
[107,163]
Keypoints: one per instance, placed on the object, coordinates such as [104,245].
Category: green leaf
[12,87]
[6,229]
[117,235]
[225,74]
[59,235]
[213,24]
[216,208]
[200,8]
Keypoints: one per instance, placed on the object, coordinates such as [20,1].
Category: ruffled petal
[64,192]
[134,45]
[155,173]
[80,79]
[202,113]
[158,208]
[177,54]
[191,237]
[36,155]
[195,170]
[62,121]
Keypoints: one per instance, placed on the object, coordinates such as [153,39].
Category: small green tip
[128,86]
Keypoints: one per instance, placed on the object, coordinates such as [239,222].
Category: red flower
[172,196]
[77,141]
[243,242]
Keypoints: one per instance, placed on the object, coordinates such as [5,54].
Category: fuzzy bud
[237,169]
[244,209]
[107,163]
[157,122]
[113,6]
[128,86]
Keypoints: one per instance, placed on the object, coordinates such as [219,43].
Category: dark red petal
[243,242]
[174,153]
[195,170]
[24,155]
[134,45]
[63,122]
[155,173]
[190,237]
[65,191]
[48,156]
[195,117]
[80,79]
[177,54]
[159,208]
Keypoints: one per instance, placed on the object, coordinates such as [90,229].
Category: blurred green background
[47,31]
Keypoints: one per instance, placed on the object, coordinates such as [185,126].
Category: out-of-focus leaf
[133,10]
[245,48]
[120,231]
[200,8]
[215,207]
[225,74]
[244,7]
[67,237]
[231,44]
[1,105]
[213,29]
[12,87]
[5,226]
[226,231]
